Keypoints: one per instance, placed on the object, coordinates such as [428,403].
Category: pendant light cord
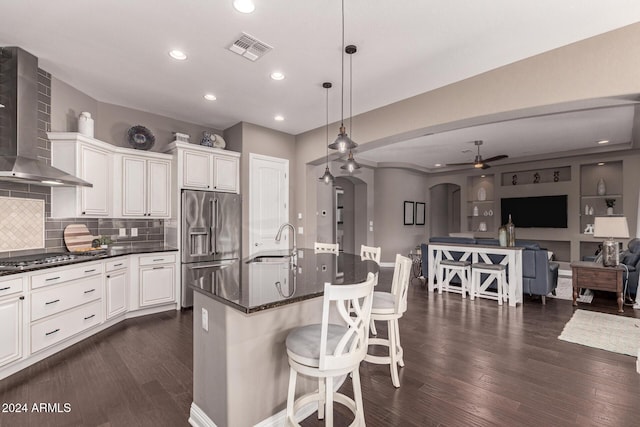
[327,128]
[351,94]
[342,73]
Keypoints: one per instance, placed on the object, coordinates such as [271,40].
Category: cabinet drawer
[65,325]
[117,264]
[63,297]
[11,286]
[157,259]
[60,275]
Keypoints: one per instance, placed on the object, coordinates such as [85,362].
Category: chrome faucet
[293,231]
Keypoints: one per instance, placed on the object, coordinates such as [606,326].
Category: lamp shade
[611,227]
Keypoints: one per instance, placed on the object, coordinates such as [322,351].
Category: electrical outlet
[134,232]
[122,232]
[205,319]
[300,230]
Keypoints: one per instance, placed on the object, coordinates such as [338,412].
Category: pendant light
[351,164]
[327,177]
[343,143]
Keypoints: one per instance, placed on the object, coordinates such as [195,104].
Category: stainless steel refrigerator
[211,239]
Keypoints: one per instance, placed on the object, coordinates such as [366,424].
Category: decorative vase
[609,211]
[502,235]
[586,209]
[602,188]
[590,210]
[475,211]
[511,233]
[85,124]
[206,139]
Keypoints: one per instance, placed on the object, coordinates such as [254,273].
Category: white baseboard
[197,417]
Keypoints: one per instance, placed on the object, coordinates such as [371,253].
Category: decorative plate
[141,138]
[218,141]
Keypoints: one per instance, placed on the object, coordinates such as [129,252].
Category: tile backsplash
[21,224]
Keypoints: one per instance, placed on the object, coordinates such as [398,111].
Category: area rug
[609,332]
[564,290]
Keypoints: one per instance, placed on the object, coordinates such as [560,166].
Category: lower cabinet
[157,284]
[64,325]
[116,288]
[11,330]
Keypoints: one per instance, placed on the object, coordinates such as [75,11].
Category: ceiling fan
[479,162]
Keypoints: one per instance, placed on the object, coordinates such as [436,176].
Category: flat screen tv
[535,212]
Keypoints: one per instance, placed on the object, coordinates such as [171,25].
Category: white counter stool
[447,269]
[494,271]
[390,306]
[326,351]
[332,248]
[371,252]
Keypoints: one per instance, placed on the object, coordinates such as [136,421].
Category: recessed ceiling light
[277,76]
[438,165]
[278,118]
[210,97]
[244,6]
[483,176]
[178,54]
[603,141]
[601,164]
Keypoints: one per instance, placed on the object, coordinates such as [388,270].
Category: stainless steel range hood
[19,124]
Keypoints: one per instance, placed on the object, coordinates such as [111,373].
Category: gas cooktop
[39,260]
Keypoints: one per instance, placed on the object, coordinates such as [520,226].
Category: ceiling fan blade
[461,164]
[495,158]
[485,166]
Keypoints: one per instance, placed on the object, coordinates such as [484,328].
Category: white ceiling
[116,51]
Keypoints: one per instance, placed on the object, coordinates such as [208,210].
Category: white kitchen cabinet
[146,186]
[88,159]
[116,287]
[11,331]
[205,168]
[157,284]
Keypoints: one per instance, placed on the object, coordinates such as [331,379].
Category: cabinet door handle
[117,265]
[52,302]
[158,259]
[89,317]
[158,268]
[90,271]
[21,297]
[52,278]
[5,288]
[52,332]
[89,291]
[108,276]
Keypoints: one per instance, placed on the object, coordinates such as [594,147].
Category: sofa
[540,275]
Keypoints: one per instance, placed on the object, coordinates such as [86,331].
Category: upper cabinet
[146,185]
[205,168]
[90,160]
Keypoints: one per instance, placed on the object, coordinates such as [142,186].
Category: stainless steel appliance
[211,239]
[25,262]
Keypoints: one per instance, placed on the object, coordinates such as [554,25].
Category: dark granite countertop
[111,252]
[251,286]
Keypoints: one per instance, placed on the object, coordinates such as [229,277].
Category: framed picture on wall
[408,213]
[420,211]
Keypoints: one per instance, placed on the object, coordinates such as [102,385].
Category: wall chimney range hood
[19,124]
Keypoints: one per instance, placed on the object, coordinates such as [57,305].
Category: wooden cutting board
[77,238]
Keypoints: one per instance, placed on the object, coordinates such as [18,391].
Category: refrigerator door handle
[212,226]
[213,264]
[215,224]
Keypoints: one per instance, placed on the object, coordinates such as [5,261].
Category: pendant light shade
[327,178]
[351,164]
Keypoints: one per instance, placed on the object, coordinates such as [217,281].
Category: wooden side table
[595,276]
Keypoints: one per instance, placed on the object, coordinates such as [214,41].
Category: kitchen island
[240,363]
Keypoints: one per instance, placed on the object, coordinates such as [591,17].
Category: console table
[511,257]
[595,276]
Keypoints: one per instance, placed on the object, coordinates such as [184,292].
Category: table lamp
[610,227]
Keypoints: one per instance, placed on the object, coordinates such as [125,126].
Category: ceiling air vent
[249,47]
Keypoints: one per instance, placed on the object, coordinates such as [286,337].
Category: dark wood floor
[467,364]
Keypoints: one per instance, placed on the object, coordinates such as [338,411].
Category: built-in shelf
[481,197]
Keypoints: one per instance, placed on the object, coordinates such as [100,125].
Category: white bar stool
[370,252]
[329,350]
[390,306]
[494,271]
[447,269]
